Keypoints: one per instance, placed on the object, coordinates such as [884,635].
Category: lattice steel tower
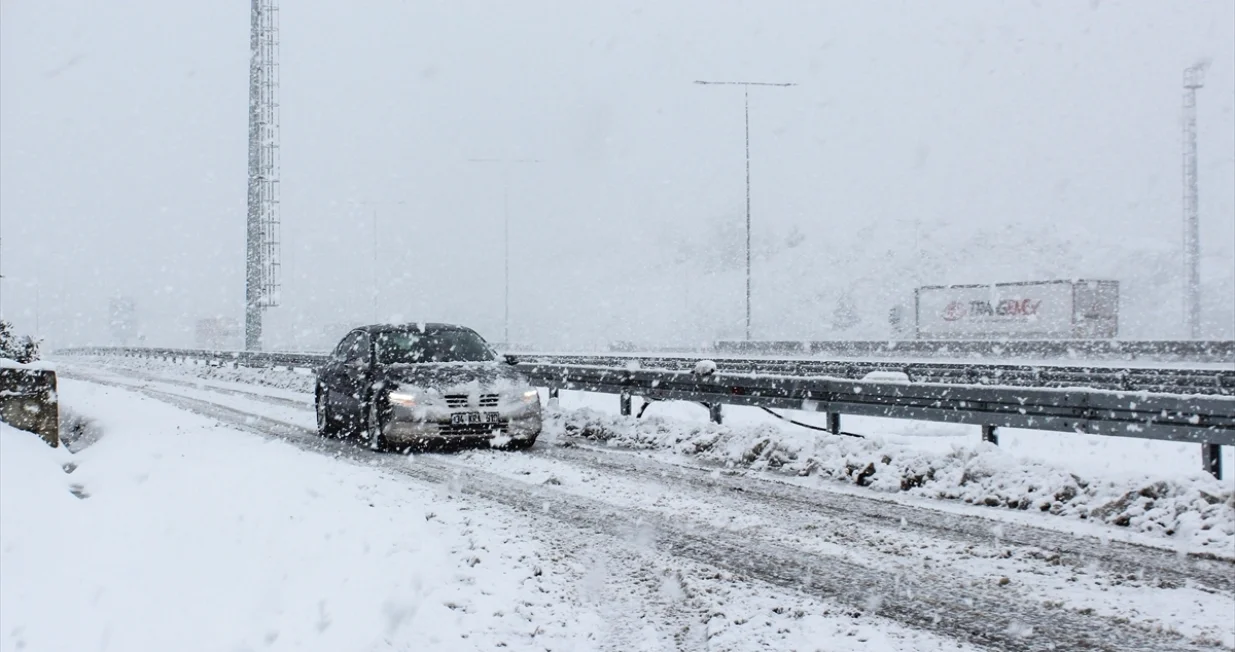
[263,226]
[1193,79]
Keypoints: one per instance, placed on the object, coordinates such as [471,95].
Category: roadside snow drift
[1198,509]
[174,533]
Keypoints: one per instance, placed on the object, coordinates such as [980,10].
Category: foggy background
[960,142]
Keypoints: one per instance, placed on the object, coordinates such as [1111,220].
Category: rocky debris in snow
[77,432]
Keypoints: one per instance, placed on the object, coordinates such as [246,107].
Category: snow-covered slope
[173,533]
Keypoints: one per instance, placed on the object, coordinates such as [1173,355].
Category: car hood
[455,376]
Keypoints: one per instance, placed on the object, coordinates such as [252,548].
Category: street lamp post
[1,279]
[746,99]
[1194,78]
[506,163]
[375,204]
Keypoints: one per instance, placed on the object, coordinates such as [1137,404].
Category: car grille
[460,400]
[473,429]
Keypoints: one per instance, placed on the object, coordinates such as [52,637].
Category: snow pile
[172,532]
[37,473]
[41,365]
[1197,509]
[296,380]
[704,368]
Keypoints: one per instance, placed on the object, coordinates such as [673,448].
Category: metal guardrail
[242,358]
[1173,418]
[1218,382]
[1166,350]
[1205,420]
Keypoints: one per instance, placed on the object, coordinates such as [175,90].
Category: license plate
[474,418]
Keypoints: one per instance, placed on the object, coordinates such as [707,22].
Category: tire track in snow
[1116,557]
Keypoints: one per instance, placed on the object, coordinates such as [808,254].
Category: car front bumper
[414,426]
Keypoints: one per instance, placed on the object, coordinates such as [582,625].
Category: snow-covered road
[652,552]
[177,531]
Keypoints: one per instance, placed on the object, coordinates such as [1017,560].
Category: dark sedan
[418,384]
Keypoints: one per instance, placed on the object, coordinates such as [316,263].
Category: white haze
[926,143]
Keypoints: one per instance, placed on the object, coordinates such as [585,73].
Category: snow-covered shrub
[24,349]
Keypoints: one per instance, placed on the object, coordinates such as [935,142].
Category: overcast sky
[1002,141]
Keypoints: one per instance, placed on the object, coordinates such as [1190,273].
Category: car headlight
[404,399]
[531,396]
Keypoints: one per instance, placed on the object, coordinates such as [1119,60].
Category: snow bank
[1197,509]
[42,365]
[175,533]
[28,464]
[297,380]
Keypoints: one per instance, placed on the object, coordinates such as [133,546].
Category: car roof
[424,327]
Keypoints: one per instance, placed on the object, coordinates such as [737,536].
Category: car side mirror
[511,359]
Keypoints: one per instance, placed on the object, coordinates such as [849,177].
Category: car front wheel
[375,426]
[326,424]
[520,444]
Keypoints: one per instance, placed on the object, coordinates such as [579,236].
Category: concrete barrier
[28,400]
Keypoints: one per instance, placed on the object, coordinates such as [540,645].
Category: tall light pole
[262,221]
[1193,79]
[746,99]
[1,279]
[375,204]
[506,163]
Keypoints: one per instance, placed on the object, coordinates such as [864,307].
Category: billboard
[1047,309]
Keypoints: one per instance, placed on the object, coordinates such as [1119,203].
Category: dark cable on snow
[809,426]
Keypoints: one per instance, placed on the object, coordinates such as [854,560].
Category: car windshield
[440,346]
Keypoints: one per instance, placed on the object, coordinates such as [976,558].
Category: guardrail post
[1211,459]
[624,403]
[834,423]
[990,435]
[714,412]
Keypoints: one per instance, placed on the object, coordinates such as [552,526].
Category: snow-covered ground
[1194,510]
[1152,487]
[174,532]
[1086,455]
[797,555]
